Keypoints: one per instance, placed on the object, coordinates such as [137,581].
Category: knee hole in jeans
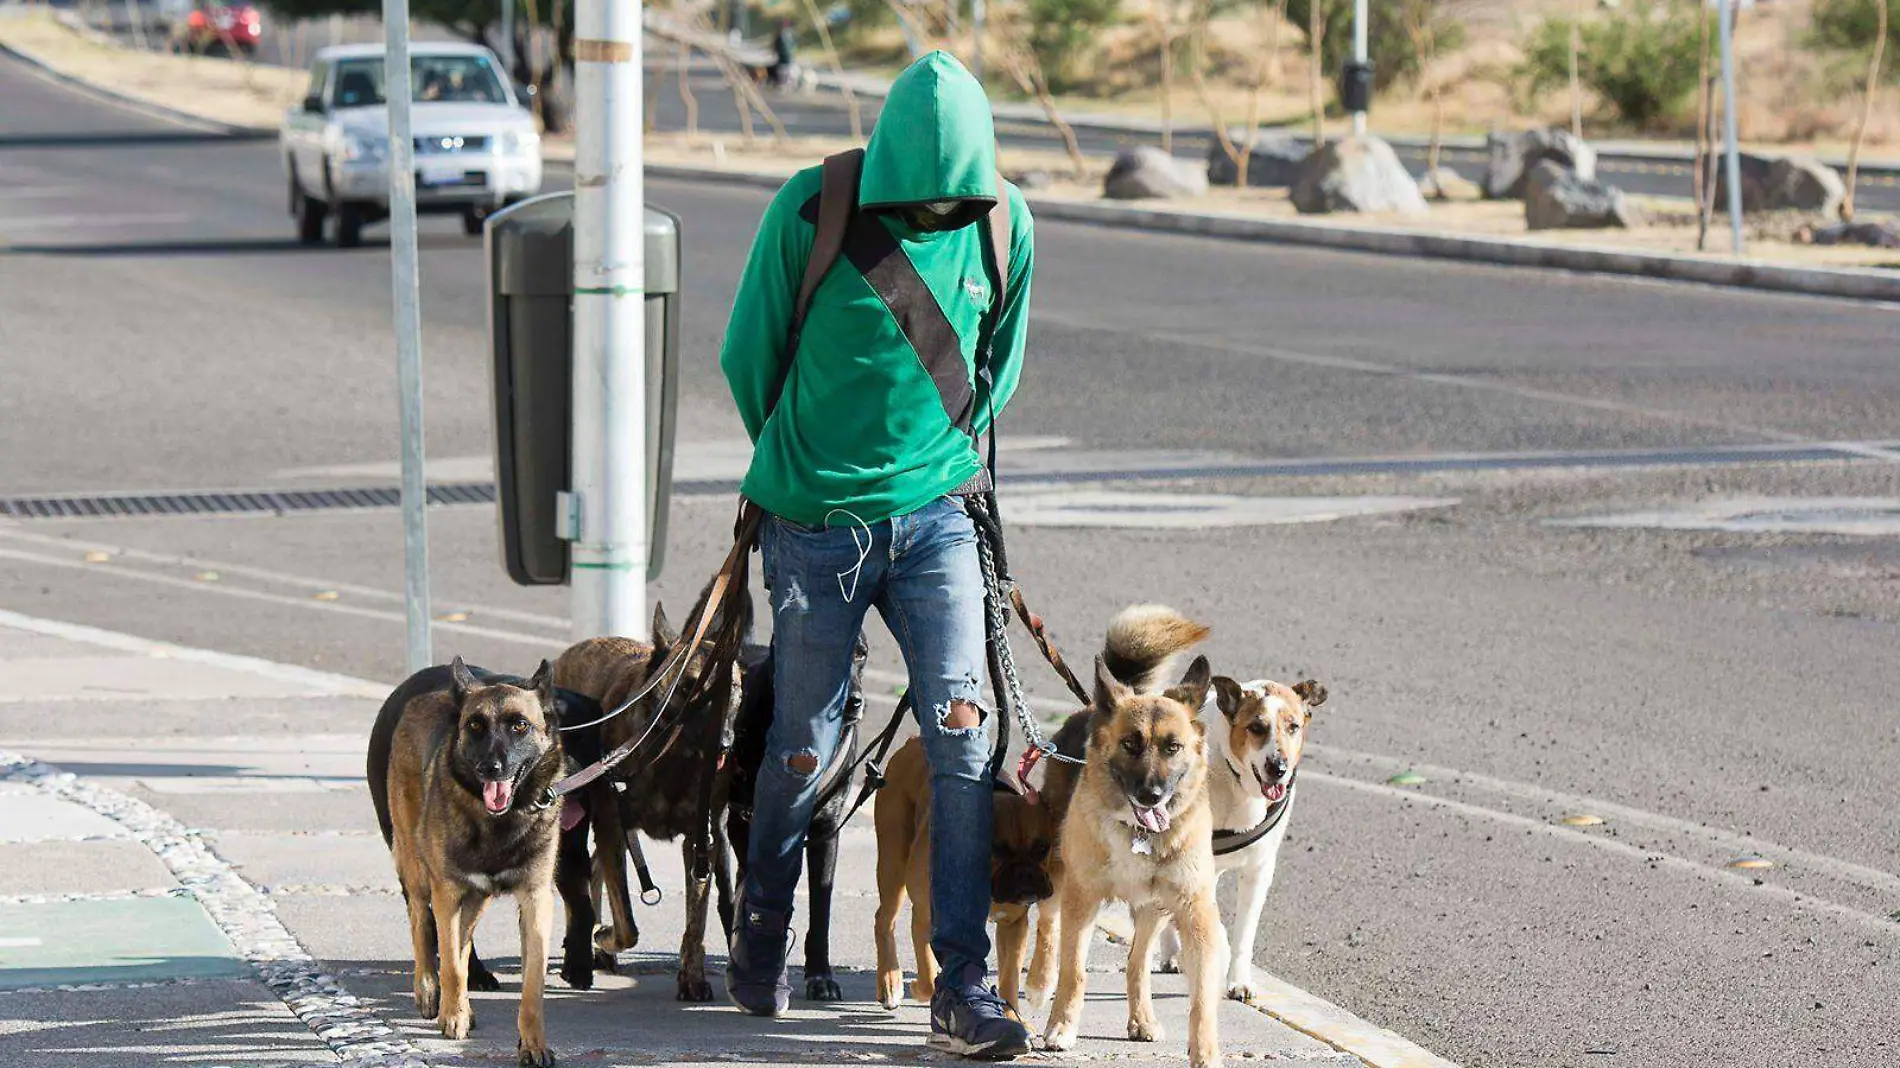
[803,763]
[961,717]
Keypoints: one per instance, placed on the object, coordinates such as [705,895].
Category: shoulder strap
[997,224]
[837,203]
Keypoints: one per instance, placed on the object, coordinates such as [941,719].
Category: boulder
[1555,198]
[1802,183]
[1273,164]
[1447,184]
[1755,170]
[1872,234]
[1028,181]
[1512,155]
[1356,174]
[1144,172]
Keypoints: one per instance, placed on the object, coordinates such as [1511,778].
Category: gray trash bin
[530,249]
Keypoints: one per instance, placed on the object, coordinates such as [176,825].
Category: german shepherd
[1136,826]
[458,766]
[1019,875]
[662,798]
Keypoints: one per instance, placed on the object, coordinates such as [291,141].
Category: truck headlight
[519,142]
[364,147]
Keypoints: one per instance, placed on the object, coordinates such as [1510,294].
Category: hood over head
[935,141]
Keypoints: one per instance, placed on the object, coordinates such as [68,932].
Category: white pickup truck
[477,148]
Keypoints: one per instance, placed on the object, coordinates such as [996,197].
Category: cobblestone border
[354,1032]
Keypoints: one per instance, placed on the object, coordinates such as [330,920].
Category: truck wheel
[310,215]
[472,221]
[349,226]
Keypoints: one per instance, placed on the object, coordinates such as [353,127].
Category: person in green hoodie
[863,431]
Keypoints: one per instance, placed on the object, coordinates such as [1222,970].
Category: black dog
[574,864]
[753,722]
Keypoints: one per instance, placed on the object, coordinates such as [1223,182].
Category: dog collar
[1226,842]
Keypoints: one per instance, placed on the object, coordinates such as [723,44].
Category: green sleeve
[1012,326]
[753,356]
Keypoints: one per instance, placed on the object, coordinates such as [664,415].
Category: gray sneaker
[970,1019]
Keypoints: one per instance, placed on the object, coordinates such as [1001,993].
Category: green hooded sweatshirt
[859,430]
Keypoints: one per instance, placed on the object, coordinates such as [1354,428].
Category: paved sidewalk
[190,874]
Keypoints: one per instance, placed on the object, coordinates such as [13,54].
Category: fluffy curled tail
[1144,641]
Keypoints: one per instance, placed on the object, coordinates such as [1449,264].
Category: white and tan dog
[1256,735]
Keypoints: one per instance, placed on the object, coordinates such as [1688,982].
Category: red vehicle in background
[211,28]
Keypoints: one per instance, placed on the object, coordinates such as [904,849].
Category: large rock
[1356,174]
[1513,155]
[1555,198]
[1144,172]
[1783,183]
[1273,164]
[1872,234]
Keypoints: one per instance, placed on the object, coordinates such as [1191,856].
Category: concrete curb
[1744,274]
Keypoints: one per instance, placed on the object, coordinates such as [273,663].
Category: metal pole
[609,491]
[1734,163]
[508,39]
[402,277]
[1359,17]
[977,15]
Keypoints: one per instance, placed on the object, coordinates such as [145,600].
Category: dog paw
[1204,1060]
[1241,991]
[1144,1031]
[1059,1038]
[458,1024]
[606,962]
[533,1056]
[822,988]
[890,989]
[922,991]
[483,980]
[428,999]
[1169,966]
[577,970]
[695,989]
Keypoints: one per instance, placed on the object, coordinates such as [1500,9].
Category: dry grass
[241,94]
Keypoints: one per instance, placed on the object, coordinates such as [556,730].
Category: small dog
[1137,827]
[1256,734]
[1019,875]
[661,798]
[458,788]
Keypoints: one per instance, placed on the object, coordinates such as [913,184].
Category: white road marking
[91,221]
[19,942]
[1852,516]
[1182,511]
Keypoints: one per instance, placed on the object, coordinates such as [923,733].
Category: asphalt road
[1707,694]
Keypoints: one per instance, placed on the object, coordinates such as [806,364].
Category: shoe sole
[991,1052]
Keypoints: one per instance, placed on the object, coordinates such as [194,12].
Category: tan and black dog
[1137,827]
[1019,875]
[461,789]
[663,798]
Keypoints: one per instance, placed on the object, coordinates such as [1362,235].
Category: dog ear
[1228,694]
[664,636]
[1109,690]
[542,682]
[461,680]
[1311,692]
[1192,690]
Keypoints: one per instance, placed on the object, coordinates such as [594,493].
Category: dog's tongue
[1153,820]
[1274,791]
[498,795]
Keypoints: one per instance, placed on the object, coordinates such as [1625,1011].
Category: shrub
[1849,25]
[1062,32]
[1640,60]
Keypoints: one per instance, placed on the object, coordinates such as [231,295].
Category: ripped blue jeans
[921,573]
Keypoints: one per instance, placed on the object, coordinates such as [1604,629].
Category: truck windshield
[461,79]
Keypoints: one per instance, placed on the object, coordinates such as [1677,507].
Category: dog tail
[1145,640]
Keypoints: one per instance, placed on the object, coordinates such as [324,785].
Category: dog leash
[723,582]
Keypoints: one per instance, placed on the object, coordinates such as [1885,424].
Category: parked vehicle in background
[215,29]
[476,146]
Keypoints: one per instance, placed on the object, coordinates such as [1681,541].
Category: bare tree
[687,96]
[1576,84]
[1020,63]
[1315,41]
[1704,138]
[1867,106]
[837,67]
[1161,13]
[1418,17]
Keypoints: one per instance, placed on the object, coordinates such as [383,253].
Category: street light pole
[1733,165]
[1359,17]
[508,38]
[977,14]
[608,495]
[403,271]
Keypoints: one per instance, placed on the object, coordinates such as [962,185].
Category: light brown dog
[1019,876]
[1137,827]
[469,767]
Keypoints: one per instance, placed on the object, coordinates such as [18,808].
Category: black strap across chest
[1226,842]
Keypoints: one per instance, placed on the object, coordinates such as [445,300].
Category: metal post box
[530,256]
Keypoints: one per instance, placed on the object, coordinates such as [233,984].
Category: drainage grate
[209,502]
